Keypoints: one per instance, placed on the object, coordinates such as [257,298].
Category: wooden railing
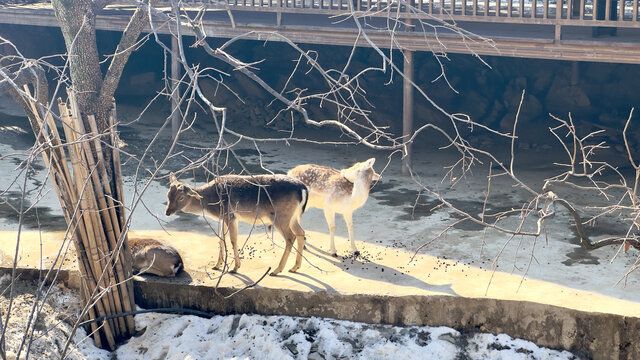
[617,13]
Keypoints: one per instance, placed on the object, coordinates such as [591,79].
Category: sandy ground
[389,228]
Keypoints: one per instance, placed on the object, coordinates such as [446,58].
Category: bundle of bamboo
[94,213]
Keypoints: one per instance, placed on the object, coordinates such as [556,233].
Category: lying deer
[276,200]
[337,191]
[151,256]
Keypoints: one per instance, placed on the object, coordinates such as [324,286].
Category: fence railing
[617,13]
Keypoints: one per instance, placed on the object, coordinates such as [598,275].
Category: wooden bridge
[576,30]
[582,30]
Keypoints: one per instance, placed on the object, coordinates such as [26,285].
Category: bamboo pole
[117,174]
[66,196]
[87,198]
[80,177]
[105,228]
[114,241]
[85,268]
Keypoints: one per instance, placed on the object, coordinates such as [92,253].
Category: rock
[520,82]
[543,78]
[564,99]
[473,104]
[315,356]
[598,72]
[497,111]
[448,337]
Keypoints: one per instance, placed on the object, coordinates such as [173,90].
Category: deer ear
[369,163]
[172,178]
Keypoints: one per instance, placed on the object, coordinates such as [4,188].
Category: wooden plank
[569,9]
[545,9]
[497,8]
[521,12]
[582,9]
[486,7]
[620,10]
[407,107]
[607,10]
[634,16]
[509,5]
[474,12]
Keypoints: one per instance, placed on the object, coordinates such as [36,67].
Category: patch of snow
[280,337]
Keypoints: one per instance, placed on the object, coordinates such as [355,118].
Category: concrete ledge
[588,334]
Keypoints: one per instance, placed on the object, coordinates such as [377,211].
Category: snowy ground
[174,337]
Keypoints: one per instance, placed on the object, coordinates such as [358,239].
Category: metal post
[407,107]
[175,89]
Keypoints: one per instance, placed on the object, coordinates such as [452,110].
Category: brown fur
[269,199]
[152,256]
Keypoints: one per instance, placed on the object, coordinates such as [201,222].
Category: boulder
[565,99]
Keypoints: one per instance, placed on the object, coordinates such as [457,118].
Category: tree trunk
[94,100]
[77,20]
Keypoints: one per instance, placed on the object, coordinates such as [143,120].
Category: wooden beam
[407,107]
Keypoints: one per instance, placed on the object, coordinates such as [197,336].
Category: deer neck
[360,192]
[198,206]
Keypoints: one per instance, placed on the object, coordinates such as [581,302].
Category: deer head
[362,170]
[179,195]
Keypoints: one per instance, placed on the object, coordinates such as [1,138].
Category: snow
[280,337]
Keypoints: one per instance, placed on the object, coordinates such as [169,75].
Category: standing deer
[276,200]
[151,256]
[337,191]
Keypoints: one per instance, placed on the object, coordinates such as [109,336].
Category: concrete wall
[589,335]
[592,335]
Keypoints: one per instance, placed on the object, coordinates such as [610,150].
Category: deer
[151,256]
[275,200]
[337,191]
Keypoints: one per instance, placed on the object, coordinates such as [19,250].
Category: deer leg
[233,235]
[299,233]
[223,247]
[331,221]
[349,220]
[288,238]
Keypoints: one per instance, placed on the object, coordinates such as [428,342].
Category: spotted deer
[151,256]
[337,191]
[276,200]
